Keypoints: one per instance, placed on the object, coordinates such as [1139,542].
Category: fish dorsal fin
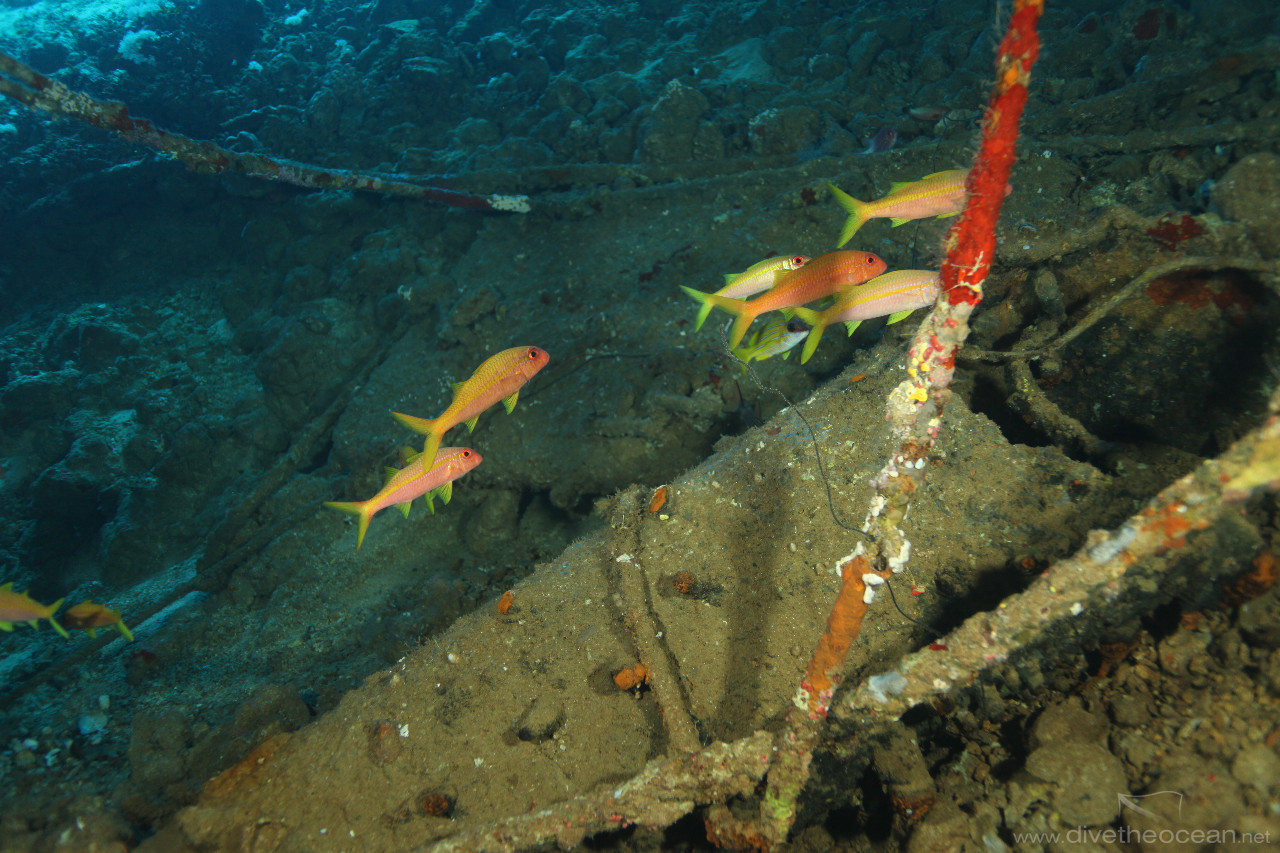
[446,492]
[937,174]
[899,315]
[851,326]
[471,424]
[8,587]
[729,277]
[457,388]
[389,472]
[510,402]
[897,185]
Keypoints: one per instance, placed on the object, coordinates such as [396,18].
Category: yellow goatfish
[895,294]
[757,278]
[411,482]
[499,377]
[89,617]
[940,194]
[20,607]
[822,276]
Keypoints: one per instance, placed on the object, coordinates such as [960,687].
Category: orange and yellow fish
[758,277]
[20,607]
[411,482]
[822,276]
[940,194]
[89,617]
[499,377]
[895,294]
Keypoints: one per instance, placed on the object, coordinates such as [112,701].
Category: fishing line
[813,436]
[817,454]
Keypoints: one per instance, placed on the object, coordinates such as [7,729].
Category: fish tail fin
[741,324]
[737,307]
[857,210]
[704,307]
[53,608]
[430,448]
[422,426]
[811,340]
[807,314]
[361,510]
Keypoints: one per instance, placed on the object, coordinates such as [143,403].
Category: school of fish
[807,293]
[431,473]
[812,293]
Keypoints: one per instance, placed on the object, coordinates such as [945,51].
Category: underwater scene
[743,425]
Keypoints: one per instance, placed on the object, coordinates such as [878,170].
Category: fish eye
[798,260]
[533,353]
[466,454]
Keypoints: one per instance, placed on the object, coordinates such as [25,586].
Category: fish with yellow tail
[895,294]
[89,616]
[20,607]
[822,276]
[940,194]
[413,481]
[499,377]
[758,277]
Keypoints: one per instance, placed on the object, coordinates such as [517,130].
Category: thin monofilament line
[822,472]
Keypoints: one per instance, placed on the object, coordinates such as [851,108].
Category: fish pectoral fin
[894,223]
[945,215]
[6,626]
[510,402]
[471,424]
[851,326]
[446,492]
[899,315]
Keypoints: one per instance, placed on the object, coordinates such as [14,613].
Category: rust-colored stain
[1171,231]
[1254,582]
[239,776]
[504,603]
[1193,289]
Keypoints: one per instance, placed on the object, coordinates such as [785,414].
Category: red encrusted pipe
[35,90]
[972,242]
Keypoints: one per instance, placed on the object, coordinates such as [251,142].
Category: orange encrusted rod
[39,92]
[972,242]
[914,412]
